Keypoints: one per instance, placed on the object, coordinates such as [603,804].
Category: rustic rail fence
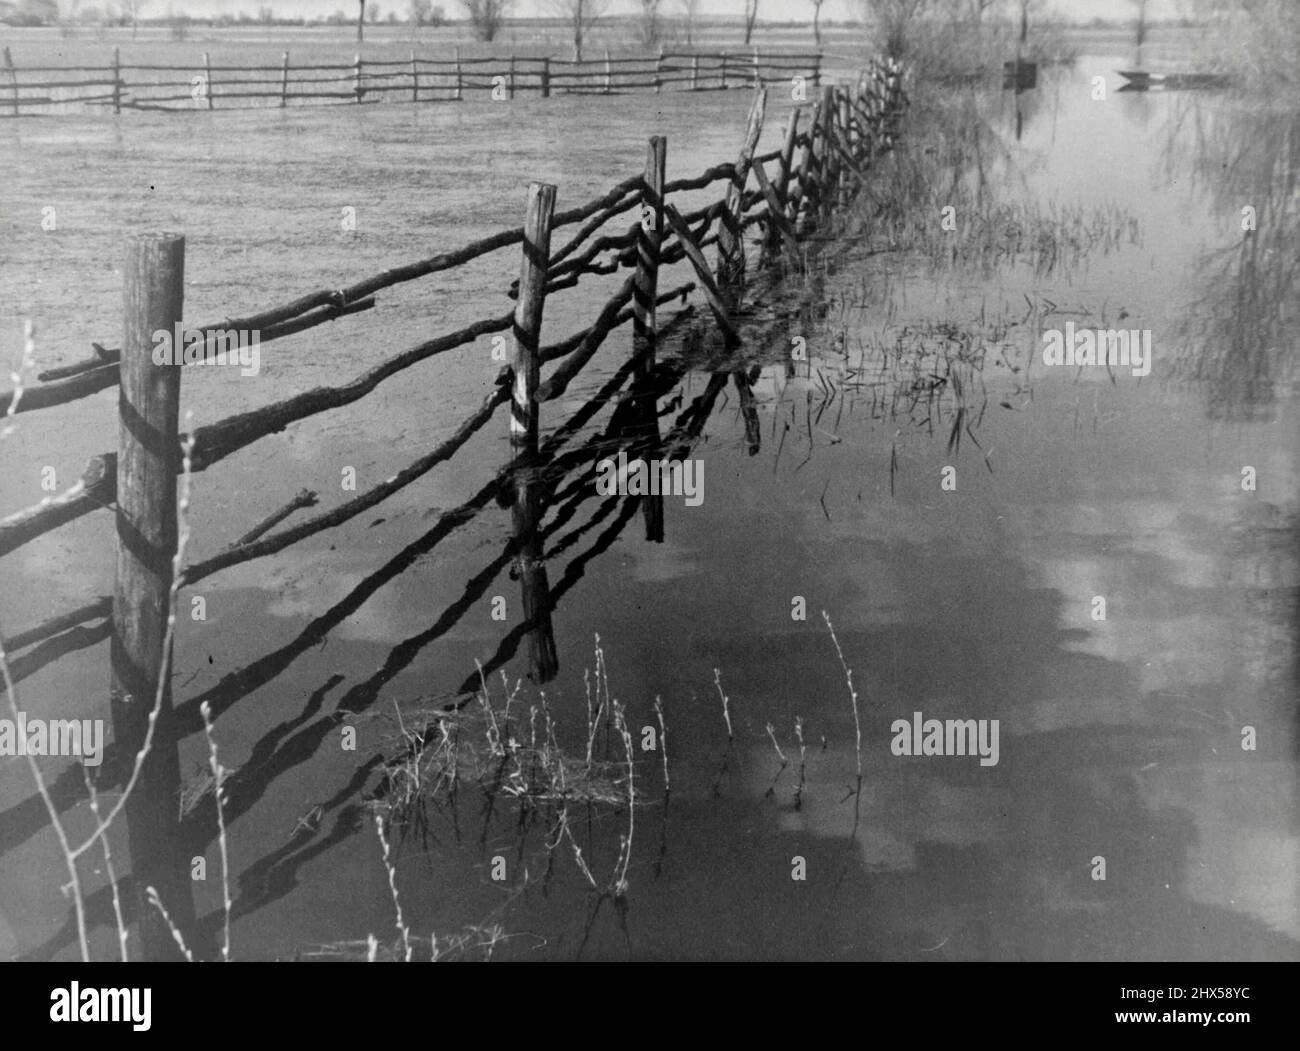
[827,150]
[203,85]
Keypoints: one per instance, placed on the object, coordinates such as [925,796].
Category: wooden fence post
[510,89]
[724,71]
[147,463]
[758,75]
[117,80]
[356,76]
[808,169]
[546,77]
[659,70]
[826,159]
[459,96]
[695,72]
[817,70]
[525,365]
[284,80]
[787,155]
[644,327]
[731,242]
[609,76]
[415,78]
[207,79]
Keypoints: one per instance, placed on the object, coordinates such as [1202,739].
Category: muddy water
[1120,739]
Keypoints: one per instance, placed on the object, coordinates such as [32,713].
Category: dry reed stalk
[156,902]
[853,694]
[218,776]
[402,928]
[726,712]
[663,740]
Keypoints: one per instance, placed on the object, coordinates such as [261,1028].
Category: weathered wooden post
[147,464]
[510,82]
[826,160]
[609,75]
[659,70]
[525,364]
[459,86]
[731,243]
[758,74]
[284,80]
[546,77]
[415,78]
[817,70]
[787,156]
[695,72]
[356,76]
[207,79]
[724,71]
[644,327]
[117,80]
[807,192]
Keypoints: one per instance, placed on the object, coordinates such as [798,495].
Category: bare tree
[361,21]
[890,21]
[1142,21]
[751,16]
[690,15]
[579,16]
[650,27]
[133,9]
[817,17]
[486,16]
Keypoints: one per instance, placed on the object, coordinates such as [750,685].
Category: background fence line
[413,79]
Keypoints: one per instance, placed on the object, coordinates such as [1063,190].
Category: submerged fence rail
[203,85]
[827,150]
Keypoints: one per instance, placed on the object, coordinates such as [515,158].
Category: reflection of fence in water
[849,127]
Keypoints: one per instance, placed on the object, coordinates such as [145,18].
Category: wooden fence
[416,79]
[827,150]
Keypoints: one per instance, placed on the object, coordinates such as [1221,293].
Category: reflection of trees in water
[1234,337]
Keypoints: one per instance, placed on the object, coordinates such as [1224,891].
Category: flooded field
[906,514]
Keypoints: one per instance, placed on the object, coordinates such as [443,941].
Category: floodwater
[1121,740]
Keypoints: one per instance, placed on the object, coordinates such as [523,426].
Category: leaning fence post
[659,70]
[147,464]
[207,78]
[525,364]
[284,80]
[356,76]
[731,243]
[644,328]
[117,80]
[758,76]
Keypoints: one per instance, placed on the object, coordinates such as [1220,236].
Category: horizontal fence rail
[205,86]
[827,150]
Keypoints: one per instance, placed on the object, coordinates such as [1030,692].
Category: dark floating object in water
[1140,80]
[1020,76]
